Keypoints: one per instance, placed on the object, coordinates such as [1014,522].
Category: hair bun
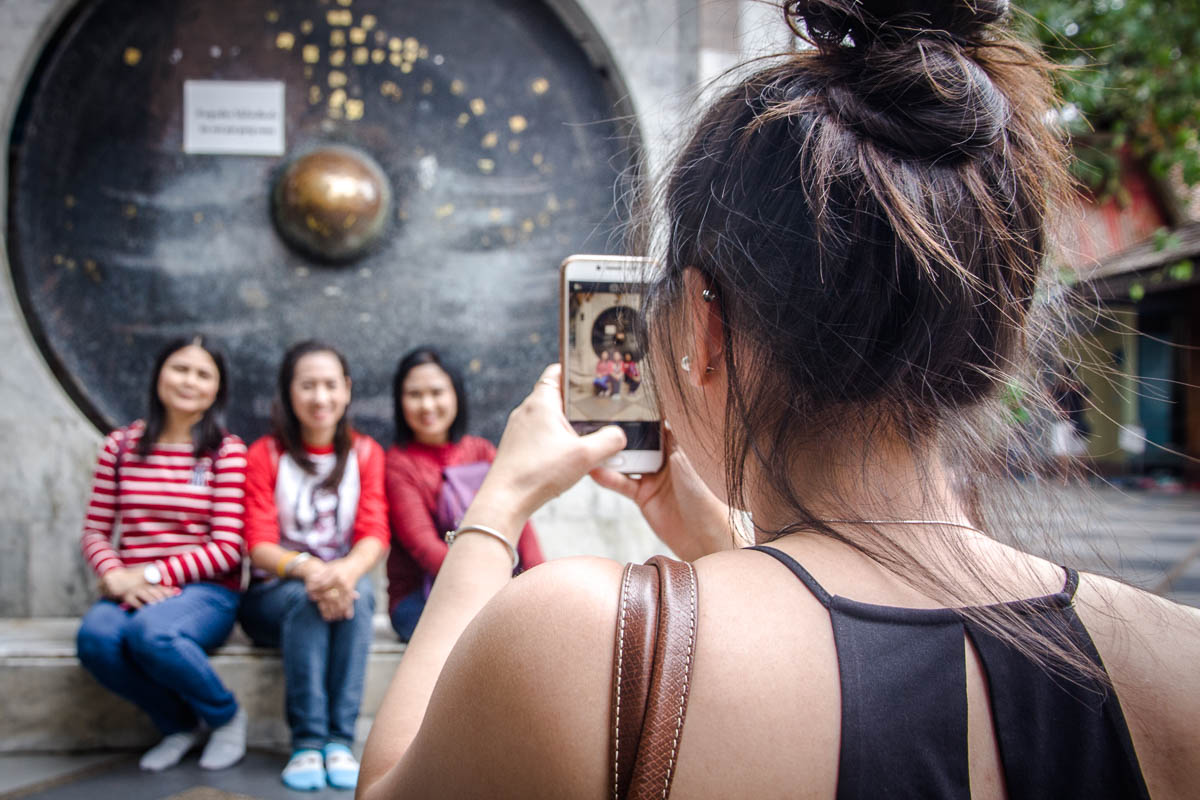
[828,23]
[898,73]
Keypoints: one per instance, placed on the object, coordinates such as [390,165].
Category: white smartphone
[606,378]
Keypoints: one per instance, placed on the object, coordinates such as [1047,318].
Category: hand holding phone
[605,371]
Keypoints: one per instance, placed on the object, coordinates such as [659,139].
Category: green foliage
[1135,85]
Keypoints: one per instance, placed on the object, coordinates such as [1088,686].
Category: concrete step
[49,703]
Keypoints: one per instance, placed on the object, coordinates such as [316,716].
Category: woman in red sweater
[431,423]
[315,525]
[170,490]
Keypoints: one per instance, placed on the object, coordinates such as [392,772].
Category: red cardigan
[262,518]
[413,481]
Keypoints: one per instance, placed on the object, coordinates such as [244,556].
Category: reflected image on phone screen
[607,375]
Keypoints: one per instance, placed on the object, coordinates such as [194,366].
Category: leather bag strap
[652,670]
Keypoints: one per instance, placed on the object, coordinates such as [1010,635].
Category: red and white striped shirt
[181,513]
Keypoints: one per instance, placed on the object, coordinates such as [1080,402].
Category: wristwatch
[152,575]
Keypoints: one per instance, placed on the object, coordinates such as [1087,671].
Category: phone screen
[608,381]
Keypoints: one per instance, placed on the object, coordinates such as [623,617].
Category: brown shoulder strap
[652,669]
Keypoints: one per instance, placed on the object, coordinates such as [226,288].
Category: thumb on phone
[602,444]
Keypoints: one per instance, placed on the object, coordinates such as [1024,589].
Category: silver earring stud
[708,295]
[685,363]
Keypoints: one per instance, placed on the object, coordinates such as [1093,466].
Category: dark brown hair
[285,425]
[208,433]
[872,215]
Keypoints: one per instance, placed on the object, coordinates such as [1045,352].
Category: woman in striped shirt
[163,534]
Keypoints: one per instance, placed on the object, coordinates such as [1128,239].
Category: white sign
[241,117]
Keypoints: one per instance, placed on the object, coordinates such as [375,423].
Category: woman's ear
[706,330]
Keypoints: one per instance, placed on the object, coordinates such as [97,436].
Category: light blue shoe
[305,771]
[341,767]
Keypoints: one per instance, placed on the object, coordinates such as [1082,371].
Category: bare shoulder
[521,707]
[1150,647]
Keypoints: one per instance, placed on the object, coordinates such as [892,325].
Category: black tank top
[904,705]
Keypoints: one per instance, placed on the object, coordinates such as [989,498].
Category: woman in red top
[171,489]
[431,423]
[315,525]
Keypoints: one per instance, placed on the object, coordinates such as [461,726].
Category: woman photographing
[854,239]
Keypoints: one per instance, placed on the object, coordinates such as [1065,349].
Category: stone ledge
[49,703]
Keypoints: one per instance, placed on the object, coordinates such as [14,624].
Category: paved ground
[1150,539]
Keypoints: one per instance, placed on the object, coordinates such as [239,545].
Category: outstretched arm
[539,457]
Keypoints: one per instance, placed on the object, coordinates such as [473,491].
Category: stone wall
[663,51]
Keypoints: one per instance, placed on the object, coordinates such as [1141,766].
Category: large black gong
[501,144]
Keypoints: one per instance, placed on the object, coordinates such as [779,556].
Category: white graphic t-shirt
[319,521]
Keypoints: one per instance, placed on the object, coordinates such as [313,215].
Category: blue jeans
[156,656]
[406,613]
[324,663]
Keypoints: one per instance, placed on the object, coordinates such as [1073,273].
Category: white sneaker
[170,751]
[226,744]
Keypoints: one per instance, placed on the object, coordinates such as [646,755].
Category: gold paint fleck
[354,109]
[394,43]
[58,259]
[337,98]
[406,67]
[514,145]
[130,211]
[361,55]
[517,123]
[486,166]
[395,59]
[427,86]
[285,40]
[552,203]
[336,79]
[423,52]
[411,43]
[441,212]
[272,16]
[495,214]
[314,95]
[306,26]
[456,86]
[350,219]
[489,139]
[69,201]
[463,119]
[345,3]
[368,22]
[390,89]
[377,56]
[535,337]
[132,56]
[540,86]
[527,226]
[475,366]
[478,106]
[357,35]
[537,159]
[198,217]
[310,53]
[337,38]
[339,18]
[337,58]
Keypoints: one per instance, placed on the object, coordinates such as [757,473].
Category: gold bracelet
[486,531]
[281,569]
